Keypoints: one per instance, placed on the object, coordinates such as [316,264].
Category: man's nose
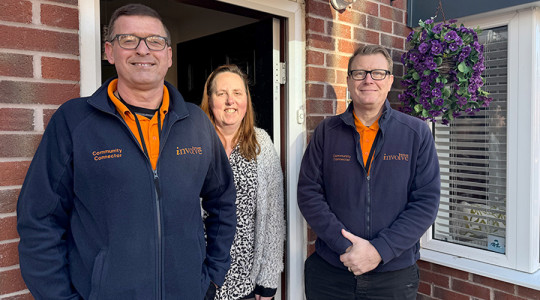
[142,48]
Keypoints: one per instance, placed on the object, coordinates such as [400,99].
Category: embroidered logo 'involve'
[189,150]
[399,156]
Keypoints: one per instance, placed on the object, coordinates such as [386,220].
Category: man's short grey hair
[370,50]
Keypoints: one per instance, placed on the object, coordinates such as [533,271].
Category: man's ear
[109,52]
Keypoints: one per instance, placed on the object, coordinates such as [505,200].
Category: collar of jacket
[177,105]
[348,117]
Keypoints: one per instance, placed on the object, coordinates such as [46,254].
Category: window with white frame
[488,221]
[472,156]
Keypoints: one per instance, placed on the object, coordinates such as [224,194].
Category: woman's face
[228,100]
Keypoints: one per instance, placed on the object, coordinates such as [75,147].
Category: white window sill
[480,268]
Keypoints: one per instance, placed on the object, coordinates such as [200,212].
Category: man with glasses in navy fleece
[369,187]
[111,205]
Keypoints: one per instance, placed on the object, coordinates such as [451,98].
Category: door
[251,47]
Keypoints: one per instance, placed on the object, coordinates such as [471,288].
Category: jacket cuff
[384,250]
[265,292]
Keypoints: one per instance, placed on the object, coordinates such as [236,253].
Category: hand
[259,297]
[361,257]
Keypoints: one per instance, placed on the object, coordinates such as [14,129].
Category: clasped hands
[361,257]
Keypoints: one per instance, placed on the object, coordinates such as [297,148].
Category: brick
[347,46]
[391,13]
[353,17]
[16,11]
[320,9]
[336,92]
[528,293]
[424,297]
[313,121]
[320,41]
[18,65]
[9,256]
[341,106]
[392,41]
[424,265]
[37,92]
[455,273]
[12,173]
[9,230]
[8,200]
[379,24]
[315,25]
[499,295]
[320,106]
[424,288]
[401,30]
[47,114]
[339,30]
[398,73]
[19,145]
[315,58]
[496,284]
[320,74]
[11,281]
[60,68]
[337,61]
[39,40]
[59,16]
[25,296]
[466,287]
[341,76]
[367,7]
[440,293]
[314,90]
[434,278]
[366,36]
[16,119]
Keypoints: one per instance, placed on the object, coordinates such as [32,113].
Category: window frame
[521,262]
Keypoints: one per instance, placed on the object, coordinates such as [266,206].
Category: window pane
[472,154]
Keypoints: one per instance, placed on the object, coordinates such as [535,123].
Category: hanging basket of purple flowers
[443,67]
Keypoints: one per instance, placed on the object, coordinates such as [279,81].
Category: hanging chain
[440,9]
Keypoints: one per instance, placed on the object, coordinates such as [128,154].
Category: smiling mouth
[142,64]
[230,110]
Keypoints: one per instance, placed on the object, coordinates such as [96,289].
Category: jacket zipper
[159,241]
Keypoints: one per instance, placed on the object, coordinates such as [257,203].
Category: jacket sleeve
[422,206]
[311,196]
[218,200]
[43,212]
[272,255]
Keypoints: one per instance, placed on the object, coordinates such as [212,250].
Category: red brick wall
[331,38]
[39,69]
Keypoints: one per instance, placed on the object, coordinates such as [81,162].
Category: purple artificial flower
[414,57]
[431,65]
[436,47]
[439,85]
[456,114]
[410,36]
[423,36]
[453,21]
[435,113]
[450,36]
[436,93]
[439,102]
[437,28]
[429,21]
[459,41]
[461,101]
[424,85]
[423,48]
[453,47]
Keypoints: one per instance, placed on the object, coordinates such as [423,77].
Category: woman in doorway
[257,250]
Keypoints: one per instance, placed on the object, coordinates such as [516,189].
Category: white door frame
[293,12]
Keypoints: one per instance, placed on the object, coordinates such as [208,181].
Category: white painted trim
[294,13]
[90,46]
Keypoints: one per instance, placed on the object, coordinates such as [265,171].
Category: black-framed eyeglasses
[377,74]
[131,42]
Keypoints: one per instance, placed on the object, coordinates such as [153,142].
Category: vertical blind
[472,157]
